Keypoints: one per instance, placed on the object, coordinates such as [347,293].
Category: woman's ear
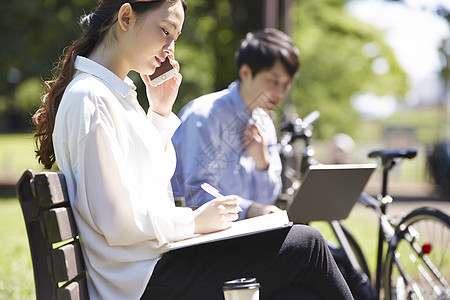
[245,73]
[125,16]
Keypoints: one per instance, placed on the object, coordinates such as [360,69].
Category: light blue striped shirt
[209,149]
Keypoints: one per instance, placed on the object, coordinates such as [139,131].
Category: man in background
[227,138]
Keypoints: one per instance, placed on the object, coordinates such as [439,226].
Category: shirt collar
[237,101]
[123,87]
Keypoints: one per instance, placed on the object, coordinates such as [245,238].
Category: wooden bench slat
[74,290]
[66,262]
[49,189]
[60,224]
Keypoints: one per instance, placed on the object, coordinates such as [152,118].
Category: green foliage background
[334,67]
[331,41]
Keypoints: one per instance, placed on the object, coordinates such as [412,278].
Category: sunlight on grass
[362,224]
[16,271]
[17,154]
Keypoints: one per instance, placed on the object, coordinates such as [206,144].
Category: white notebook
[239,228]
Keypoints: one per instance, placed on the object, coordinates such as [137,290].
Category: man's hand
[257,209]
[255,147]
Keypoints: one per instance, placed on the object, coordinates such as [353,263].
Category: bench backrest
[59,270]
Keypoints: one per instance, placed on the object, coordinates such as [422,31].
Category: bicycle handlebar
[310,119]
[298,125]
[297,128]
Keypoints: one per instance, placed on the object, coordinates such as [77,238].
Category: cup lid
[241,284]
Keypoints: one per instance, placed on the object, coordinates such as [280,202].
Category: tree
[332,70]
[34,36]
[334,67]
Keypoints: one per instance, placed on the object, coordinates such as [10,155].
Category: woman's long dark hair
[96,25]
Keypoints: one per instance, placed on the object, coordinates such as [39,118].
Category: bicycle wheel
[418,260]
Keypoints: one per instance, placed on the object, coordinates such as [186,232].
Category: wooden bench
[58,266]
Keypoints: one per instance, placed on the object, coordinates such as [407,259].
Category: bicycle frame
[387,232]
[385,199]
[300,130]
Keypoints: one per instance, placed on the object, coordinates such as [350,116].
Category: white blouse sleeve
[123,210]
[166,126]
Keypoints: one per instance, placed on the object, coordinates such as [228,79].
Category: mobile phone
[162,73]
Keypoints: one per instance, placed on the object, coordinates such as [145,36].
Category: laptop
[329,192]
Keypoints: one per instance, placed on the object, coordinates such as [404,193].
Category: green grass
[17,154]
[362,223]
[16,272]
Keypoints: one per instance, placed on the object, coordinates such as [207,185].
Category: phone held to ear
[162,73]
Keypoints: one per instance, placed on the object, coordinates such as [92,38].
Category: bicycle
[413,257]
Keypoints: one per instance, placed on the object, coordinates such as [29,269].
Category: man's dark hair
[261,49]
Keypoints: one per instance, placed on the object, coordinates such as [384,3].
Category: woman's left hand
[162,97]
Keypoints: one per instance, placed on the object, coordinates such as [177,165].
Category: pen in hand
[212,191]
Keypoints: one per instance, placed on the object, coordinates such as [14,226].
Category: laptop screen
[329,192]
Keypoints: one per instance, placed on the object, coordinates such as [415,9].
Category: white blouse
[118,162]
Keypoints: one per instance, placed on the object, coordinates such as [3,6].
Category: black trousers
[290,263]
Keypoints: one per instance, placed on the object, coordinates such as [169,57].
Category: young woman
[118,161]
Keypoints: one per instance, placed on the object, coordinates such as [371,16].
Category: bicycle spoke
[417,292]
[424,258]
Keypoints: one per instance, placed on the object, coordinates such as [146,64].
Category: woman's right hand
[216,214]
[162,97]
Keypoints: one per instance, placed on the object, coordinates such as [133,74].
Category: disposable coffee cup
[241,289]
